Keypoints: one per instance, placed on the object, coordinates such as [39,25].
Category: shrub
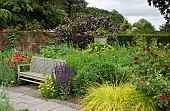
[79,31]
[112,67]
[99,72]
[56,50]
[116,98]
[78,59]
[129,38]
[151,72]
[7,74]
[99,48]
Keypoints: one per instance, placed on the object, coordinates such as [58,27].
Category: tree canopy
[23,12]
[114,15]
[165,28]
[144,27]
[163,6]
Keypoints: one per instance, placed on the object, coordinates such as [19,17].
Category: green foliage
[56,51]
[98,48]
[6,54]
[47,89]
[144,27]
[24,11]
[165,28]
[9,39]
[126,25]
[25,109]
[78,59]
[129,38]
[116,98]
[7,74]
[5,15]
[4,103]
[113,66]
[151,71]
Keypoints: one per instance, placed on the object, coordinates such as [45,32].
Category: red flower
[136,58]
[135,62]
[147,71]
[19,53]
[133,71]
[163,98]
[167,66]
[148,49]
[155,55]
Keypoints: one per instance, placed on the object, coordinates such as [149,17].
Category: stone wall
[31,41]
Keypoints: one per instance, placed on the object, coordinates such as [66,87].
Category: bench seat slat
[33,75]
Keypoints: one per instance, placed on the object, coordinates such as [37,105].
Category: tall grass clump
[7,74]
[124,97]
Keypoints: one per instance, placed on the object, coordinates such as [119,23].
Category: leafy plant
[59,85]
[7,54]
[4,103]
[62,79]
[21,13]
[56,50]
[123,97]
[47,89]
[7,74]
[151,72]
[98,48]
[9,39]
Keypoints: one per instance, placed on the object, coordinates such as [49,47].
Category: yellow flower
[14,101]
[12,81]
[40,85]
[52,94]
[53,90]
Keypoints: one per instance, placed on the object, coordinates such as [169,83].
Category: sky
[132,10]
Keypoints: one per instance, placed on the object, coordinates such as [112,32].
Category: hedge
[128,38]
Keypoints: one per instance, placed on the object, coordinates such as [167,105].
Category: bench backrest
[44,65]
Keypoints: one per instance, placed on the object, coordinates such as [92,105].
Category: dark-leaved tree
[163,6]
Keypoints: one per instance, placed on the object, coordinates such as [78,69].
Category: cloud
[133,10]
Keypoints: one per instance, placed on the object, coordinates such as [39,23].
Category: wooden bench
[39,68]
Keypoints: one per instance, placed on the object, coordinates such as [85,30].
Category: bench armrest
[22,65]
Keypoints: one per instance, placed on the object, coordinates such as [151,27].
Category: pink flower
[163,98]
[148,49]
[136,58]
